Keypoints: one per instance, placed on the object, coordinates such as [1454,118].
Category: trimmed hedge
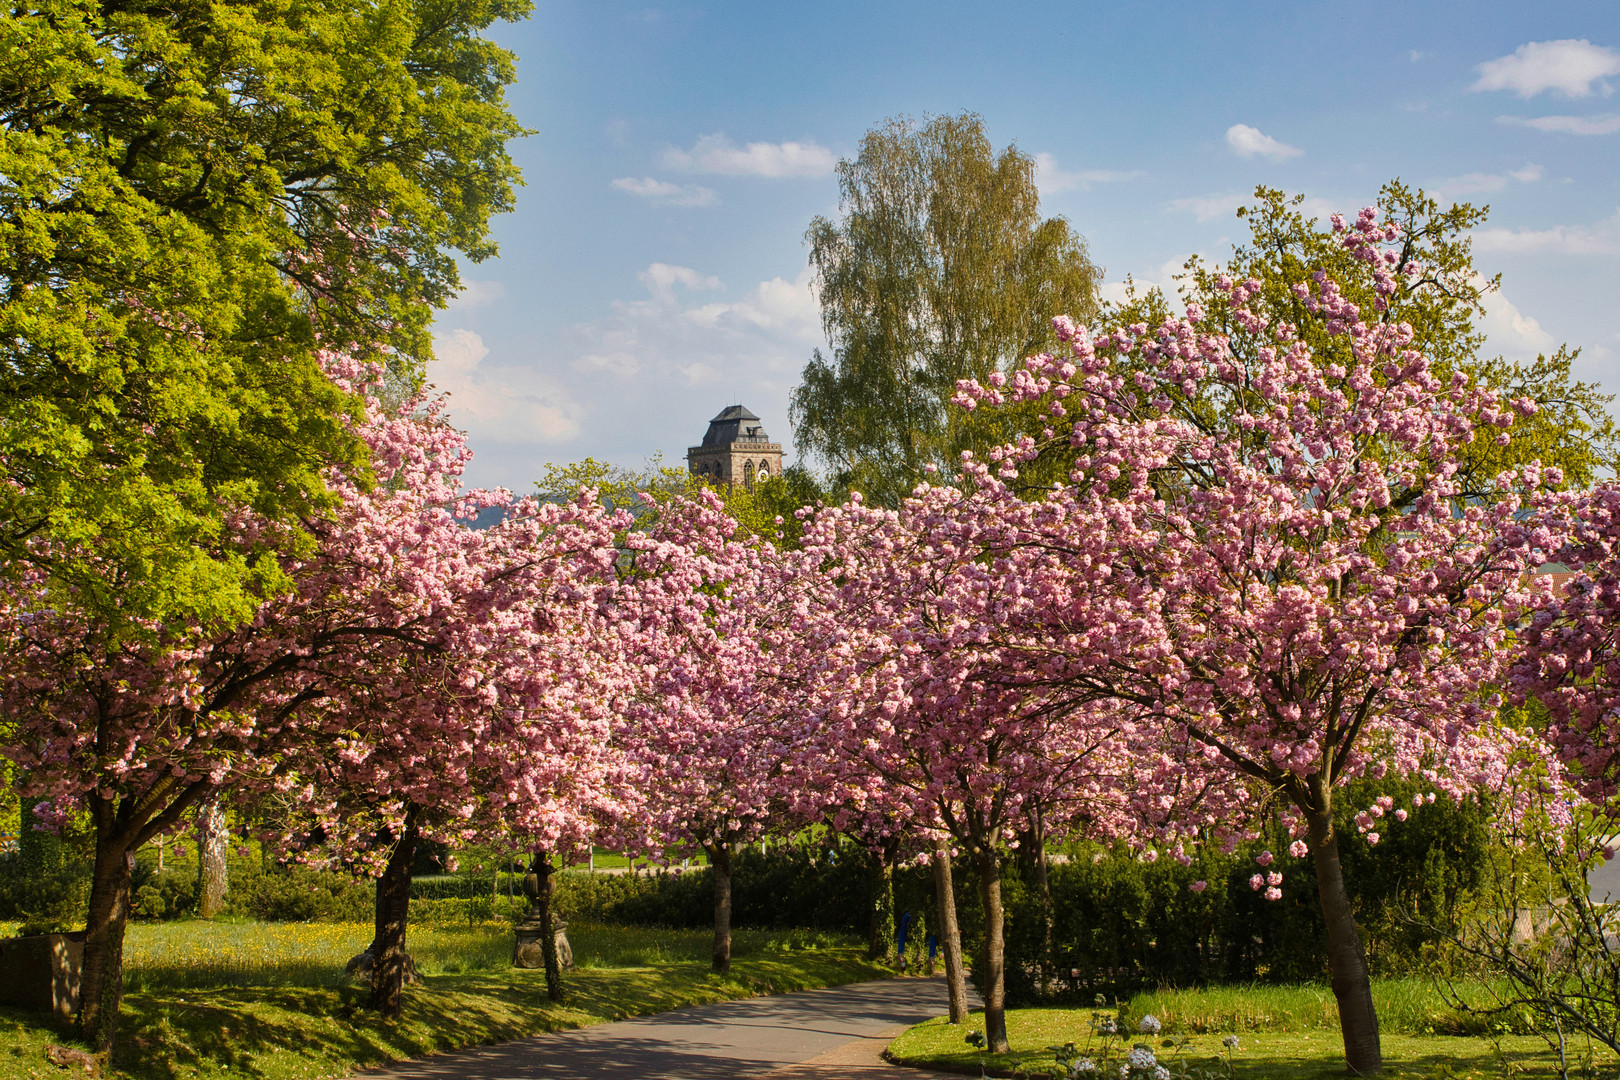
[1121,925]
[789,886]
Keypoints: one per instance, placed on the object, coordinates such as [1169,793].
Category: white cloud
[1415,55]
[1161,277]
[1573,67]
[718,154]
[1603,124]
[777,306]
[1049,178]
[786,306]
[1469,184]
[477,294]
[1600,239]
[1510,331]
[643,375]
[618,363]
[1477,183]
[1206,207]
[661,279]
[698,373]
[663,192]
[699,342]
[505,403]
[1321,209]
[1246,141]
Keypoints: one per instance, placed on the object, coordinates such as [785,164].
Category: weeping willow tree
[940,267]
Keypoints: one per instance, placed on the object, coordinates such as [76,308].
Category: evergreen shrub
[791,885]
[1122,924]
[45,881]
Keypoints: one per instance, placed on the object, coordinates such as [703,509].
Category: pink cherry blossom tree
[706,629]
[386,624]
[919,690]
[1569,638]
[497,731]
[1272,562]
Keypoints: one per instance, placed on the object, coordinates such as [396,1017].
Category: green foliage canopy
[756,508]
[195,198]
[940,268]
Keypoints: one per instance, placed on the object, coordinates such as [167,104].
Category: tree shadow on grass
[275,1032]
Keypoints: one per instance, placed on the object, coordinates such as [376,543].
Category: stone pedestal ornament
[527,949]
[359,967]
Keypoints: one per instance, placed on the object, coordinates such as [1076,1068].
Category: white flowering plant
[1109,1054]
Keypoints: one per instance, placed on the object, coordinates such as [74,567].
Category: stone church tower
[735,450]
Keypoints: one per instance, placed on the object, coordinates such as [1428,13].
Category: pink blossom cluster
[415,661]
[1569,660]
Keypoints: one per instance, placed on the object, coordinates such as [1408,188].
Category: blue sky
[654,270]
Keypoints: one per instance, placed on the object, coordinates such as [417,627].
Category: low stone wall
[42,972]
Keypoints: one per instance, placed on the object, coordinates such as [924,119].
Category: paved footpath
[813,1035]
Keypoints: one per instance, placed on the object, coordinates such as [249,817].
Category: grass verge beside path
[1305,1054]
[301,1019]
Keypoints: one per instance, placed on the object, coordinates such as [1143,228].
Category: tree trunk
[950,937]
[101,972]
[995,951]
[880,934]
[121,825]
[542,870]
[388,955]
[212,838]
[720,866]
[1347,960]
[1044,884]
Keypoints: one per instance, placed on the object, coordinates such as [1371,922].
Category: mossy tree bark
[950,936]
[101,973]
[213,838]
[719,854]
[994,978]
[389,959]
[1347,958]
[542,869]
[122,824]
[1044,885]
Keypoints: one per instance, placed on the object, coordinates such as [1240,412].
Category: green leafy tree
[768,509]
[756,508]
[939,268]
[617,487]
[195,198]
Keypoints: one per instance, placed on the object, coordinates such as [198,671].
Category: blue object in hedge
[905,924]
[933,944]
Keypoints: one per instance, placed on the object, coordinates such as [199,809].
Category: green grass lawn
[1283,1032]
[270,1000]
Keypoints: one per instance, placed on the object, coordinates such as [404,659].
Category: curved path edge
[834,1032]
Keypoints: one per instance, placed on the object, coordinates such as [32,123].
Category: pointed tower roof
[734,424]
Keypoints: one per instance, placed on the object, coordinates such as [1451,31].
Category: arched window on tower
[764,471]
[748,473]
